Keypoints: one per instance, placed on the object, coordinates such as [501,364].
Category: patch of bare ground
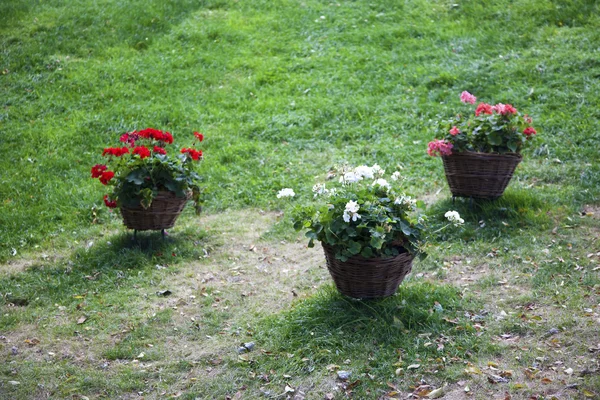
[546,350]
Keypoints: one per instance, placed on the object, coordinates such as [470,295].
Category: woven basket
[479,175]
[367,278]
[161,214]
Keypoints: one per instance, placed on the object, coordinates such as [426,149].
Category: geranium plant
[143,165]
[364,214]
[490,128]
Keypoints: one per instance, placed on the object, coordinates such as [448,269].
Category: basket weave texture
[161,214]
[367,278]
[479,175]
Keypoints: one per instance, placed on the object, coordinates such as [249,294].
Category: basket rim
[358,257]
[480,155]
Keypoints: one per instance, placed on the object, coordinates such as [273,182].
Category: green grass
[283,90]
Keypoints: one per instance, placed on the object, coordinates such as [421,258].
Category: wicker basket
[479,175]
[161,214]
[367,278]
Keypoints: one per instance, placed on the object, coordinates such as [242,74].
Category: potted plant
[150,183]
[369,231]
[481,151]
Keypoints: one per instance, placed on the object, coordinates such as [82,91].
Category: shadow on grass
[487,219]
[421,323]
[102,266]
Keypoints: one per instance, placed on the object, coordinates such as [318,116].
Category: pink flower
[528,119]
[439,147]
[454,131]
[529,131]
[467,97]
[484,108]
[504,109]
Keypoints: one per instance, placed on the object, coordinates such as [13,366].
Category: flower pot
[162,213]
[367,278]
[479,175]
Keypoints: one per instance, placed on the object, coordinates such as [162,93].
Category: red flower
[199,136]
[151,133]
[142,151]
[97,170]
[483,108]
[454,131]
[159,150]
[529,131]
[130,138]
[115,151]
[109,203]
[106,177]
[168,138]
[195,154]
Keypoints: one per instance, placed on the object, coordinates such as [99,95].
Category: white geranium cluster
[365,172]
[454,218]
[351,211]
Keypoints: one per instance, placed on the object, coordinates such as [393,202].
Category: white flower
[454,217]
[287,192]
[319,189]
[351,211]
[382,182]
[407,201]
[350,177]
[364,171]
[347,216]
[352,206]
[377,170]
[396,176]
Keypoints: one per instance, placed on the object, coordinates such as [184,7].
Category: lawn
[283,90]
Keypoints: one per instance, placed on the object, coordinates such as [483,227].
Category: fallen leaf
[81,320]
[569,371]
[473,370]
[413,366]
[589,394]
[546,381]
[437,393]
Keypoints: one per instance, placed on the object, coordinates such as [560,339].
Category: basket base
[479,175]
[161,215]
[368,278]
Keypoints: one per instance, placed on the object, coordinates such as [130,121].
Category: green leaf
[354,247]
[376,242]
[366,252]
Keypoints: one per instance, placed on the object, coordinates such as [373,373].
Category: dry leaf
[546,380]
[473,370]
[413,366]
[81,320]
[437,393]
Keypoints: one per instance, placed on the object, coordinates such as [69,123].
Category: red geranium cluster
[147,151]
